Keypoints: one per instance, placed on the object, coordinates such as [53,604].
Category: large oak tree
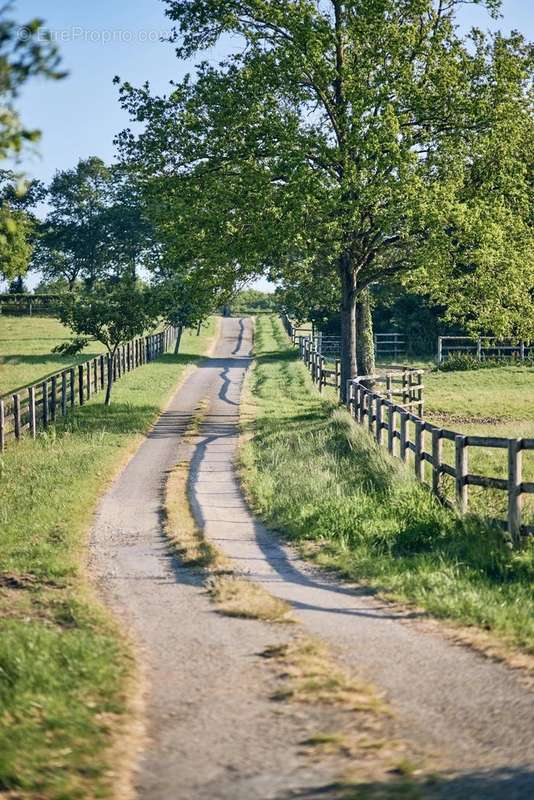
[336,136]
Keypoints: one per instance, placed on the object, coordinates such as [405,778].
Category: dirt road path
[212,732]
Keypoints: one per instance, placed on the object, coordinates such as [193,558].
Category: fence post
[378,419]
[403,421]
[420,397]
[2,427]
[81,393]
[440,349]
[53,398]
[391,427]
[370,404]
[31,409]
[419,446]
[404,388]
[101,371]
[63,394]
[389,386]
[515,477]
[44,393]
[95,375]
[72,387]
[351,406]
[461,473]
[88,378]
[479,349]
[437,456]
[16,415]
[338,375]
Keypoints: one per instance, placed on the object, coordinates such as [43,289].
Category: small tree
[113,313]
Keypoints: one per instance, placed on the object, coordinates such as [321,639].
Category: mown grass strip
[64,667]
[319,478]
[233,594]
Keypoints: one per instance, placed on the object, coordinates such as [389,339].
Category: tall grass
[64,667]
[318,477]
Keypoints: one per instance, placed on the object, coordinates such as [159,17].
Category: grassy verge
[322,480]
[63,666]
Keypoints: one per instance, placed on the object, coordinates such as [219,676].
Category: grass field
[63,666]
[26,345]
[488,402]
[323,482]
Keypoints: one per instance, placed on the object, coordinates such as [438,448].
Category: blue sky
[99,39]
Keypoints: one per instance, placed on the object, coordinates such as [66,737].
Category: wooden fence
[485,347]
[396,426]
[29,304]
[36,406]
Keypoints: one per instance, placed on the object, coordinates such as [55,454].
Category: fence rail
[403,432]
[36,406]
[482,348]
[22,304]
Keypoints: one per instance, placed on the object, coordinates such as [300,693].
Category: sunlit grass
[26,345]
[63,665]
[319,478]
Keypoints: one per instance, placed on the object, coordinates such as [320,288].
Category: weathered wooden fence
[406,433]
[483,348]
[403,432]
[36,406]
[29,304]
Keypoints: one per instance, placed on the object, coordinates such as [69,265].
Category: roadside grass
[239,597]
[65,669]
[320,479]
[26,345]
[360,730]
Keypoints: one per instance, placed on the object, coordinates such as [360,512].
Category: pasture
[26,345]
[489,402]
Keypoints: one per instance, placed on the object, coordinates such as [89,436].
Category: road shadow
[506,783]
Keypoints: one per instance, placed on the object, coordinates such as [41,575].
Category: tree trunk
[365,348]
[179,331]
[110,379]
[348,323]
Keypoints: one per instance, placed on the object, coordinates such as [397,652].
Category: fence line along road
[36,406]
[391,422]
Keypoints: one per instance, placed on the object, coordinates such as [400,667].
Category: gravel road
[212,731]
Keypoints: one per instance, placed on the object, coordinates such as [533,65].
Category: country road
[211,730]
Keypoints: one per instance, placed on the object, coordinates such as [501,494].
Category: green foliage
[73,347]
[96,226]
[25,52]
[462,362]
[16,229]
[340,145]
[319,478]
[251,301]
[114,312]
